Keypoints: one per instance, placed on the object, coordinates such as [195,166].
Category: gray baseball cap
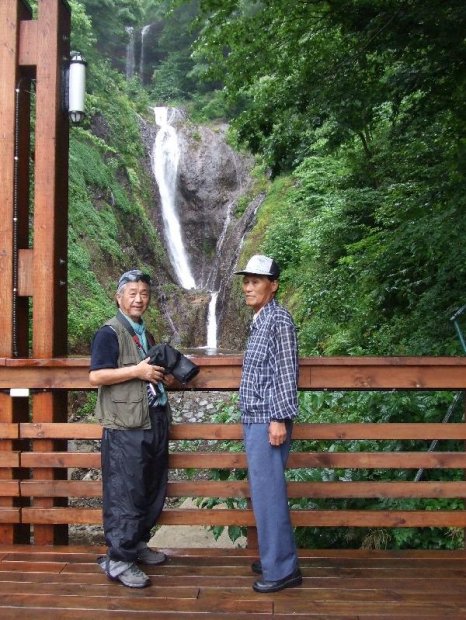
[260,265]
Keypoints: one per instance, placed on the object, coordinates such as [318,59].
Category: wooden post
[49,337]
[34,52]
[49,279]
[14,204]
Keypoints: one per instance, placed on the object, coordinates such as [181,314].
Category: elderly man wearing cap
[133,409]
[268,403]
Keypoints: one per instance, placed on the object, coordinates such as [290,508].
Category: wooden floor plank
[133,603]
[40,556]
[440,586]
[25,566]
[82,614]
[106,589]
[371,608]
[246,553]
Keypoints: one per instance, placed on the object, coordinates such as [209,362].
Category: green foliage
[360,407]
[298,66]
[109,20]
[108,197]
[213,105]
[82,34]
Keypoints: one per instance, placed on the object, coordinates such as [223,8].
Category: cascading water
[130,61]
[213,276]
[212,322]
[165,158]
[144,31]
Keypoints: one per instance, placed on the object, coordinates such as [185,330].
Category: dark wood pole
[15,89]
[34,55]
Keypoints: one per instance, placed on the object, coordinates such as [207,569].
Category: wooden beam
[25,272]
[299,518]
[63,488]
[9,488]
[9,516]
[49,335]
[9,458]
[12,133]
[28,44]
[224,373]
[60,459]
[49,407]
[192,431]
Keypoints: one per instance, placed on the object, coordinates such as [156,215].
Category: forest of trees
[355,113]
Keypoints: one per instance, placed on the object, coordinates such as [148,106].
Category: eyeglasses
[135,275]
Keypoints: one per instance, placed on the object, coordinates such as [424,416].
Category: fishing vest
[124,405]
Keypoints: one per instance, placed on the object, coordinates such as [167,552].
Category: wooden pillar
[50,228]
[36,50]
[14,208]
[49,333]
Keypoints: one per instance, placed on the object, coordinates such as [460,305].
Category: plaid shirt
[268,389]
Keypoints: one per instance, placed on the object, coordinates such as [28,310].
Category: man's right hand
[147,372]
[143,371]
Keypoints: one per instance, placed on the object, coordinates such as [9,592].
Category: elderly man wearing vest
[133,409]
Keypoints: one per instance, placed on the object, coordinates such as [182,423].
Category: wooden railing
[35,462]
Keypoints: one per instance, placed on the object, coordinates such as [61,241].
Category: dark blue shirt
[104,349]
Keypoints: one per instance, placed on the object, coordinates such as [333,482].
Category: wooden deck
[65,582]
[42,580]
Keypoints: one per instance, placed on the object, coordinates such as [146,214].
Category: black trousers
[134,481]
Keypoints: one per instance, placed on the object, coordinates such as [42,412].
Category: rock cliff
[213,179]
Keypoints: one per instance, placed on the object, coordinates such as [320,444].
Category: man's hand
[147,372]
[143,371]
[277,433]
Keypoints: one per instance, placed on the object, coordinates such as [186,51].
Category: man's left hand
[277,433]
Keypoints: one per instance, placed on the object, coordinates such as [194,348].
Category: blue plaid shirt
[268,389]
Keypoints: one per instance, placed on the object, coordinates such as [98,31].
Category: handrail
[223,372]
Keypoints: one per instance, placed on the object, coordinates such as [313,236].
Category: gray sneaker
[127,573]
[146,555]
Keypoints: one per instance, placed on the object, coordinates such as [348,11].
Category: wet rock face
[212,176]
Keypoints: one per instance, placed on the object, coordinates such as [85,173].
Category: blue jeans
[266,475]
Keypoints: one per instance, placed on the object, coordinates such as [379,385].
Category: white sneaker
[146,555]
[127,573]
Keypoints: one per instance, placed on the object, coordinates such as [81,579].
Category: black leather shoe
[295,579]
[256,567]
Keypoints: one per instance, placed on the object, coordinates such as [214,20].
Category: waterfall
[212,322]
[130,62]
[211,281]
[165,158]
[144,31]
